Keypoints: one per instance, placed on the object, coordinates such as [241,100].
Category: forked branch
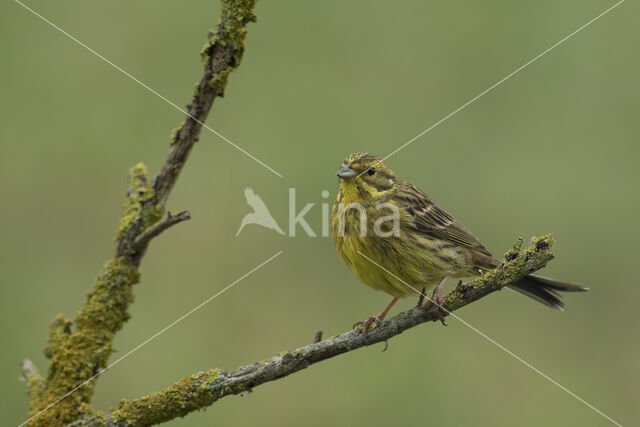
[79,349]
[155,230]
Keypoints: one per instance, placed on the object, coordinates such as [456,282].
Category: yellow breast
[390,264]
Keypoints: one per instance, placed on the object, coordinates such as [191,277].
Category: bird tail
[545,289]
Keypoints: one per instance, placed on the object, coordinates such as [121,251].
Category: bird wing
[432,221]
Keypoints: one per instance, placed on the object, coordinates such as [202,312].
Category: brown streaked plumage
[426,246]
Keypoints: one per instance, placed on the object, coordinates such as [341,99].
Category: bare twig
[143,240]
[204,388]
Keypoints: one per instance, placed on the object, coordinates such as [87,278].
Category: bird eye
[371,171]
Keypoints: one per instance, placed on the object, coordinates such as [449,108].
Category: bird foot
[366,323]
[436,301]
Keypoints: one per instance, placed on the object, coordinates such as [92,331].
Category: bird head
[365,174]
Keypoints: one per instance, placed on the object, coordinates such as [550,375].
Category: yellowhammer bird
[394,224]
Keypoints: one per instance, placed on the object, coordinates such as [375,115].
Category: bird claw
[373,320]
[438,312]
[436,301]
[366,323]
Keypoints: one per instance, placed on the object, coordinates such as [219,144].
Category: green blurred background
[553,149]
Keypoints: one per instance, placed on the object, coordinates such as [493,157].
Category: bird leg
[374,319]
[436,299]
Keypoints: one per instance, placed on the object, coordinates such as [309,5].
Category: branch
[143,240]
[79,350]
[204,388]
[222,55]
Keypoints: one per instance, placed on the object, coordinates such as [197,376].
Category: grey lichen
[35,382]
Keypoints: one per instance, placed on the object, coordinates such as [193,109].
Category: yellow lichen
[80,351]
[516,266]
[230,33]
[174,132]
[78,355]
[140,191]
[187,395]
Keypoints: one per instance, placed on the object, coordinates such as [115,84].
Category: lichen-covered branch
[79,349]
[222,55]
[204,388]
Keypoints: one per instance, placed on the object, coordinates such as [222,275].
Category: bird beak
[346,172]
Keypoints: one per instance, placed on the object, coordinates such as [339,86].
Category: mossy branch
[204,388]
[79,350]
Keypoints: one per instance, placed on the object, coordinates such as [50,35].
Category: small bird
[260,214]
[411,237]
